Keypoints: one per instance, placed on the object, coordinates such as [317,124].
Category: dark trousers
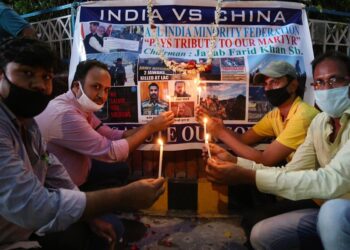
[77,237]
[256,206]
[106,175]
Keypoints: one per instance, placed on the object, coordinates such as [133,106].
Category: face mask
[333,101]
[86,104]
[23,102]
[277,96]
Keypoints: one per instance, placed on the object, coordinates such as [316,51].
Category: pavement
[182,231]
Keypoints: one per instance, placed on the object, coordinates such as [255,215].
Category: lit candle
[196,81]
[207,144]
[169,99]
[199,90]
[205,120]
[160,142]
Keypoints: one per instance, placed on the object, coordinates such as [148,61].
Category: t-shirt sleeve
[11,22]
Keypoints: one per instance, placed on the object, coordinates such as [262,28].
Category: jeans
[334,224]
[292,230]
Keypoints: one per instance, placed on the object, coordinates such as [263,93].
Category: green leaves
[24,6]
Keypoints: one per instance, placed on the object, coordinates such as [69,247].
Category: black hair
[153,84]
[180,82]
[84,67]
[28,51]
[332,55]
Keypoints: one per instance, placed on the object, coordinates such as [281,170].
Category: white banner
[251,34]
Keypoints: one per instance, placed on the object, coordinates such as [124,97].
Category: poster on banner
[118,34]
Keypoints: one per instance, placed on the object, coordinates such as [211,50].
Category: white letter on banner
[178,17]
[280,17]
[199,134]
[116,16]
[184,133]
[156,15]
[195,15]
[171,134]
[223,16]
[102,14]
[261,15]
[129,14]
[234,15]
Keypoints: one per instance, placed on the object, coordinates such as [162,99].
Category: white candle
[205,120]
[160,142]
[199,90]
[207,144]
[169,99]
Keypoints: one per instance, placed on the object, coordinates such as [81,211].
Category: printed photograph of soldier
[225,100]
[180,89]
[117,72]
[152,94]
[121,65]
[182,109]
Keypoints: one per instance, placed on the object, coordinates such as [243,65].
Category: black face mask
[277,96]
[25,103]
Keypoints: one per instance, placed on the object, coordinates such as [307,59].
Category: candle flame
[205,120]
[160,141]
[207,136]
[196,81]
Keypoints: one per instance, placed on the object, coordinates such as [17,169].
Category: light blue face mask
[333,101]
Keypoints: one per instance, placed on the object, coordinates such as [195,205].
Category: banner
[250,35]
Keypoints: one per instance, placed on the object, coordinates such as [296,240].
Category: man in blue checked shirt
[38,200]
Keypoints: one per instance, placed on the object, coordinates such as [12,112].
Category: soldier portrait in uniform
[153,105]
[180,89]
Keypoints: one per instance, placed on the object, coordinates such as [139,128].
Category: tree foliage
[25,6]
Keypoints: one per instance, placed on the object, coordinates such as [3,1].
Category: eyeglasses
[334,82]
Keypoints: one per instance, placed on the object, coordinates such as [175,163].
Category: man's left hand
[224,172]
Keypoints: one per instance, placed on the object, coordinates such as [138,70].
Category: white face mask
[333,101]
[86,103]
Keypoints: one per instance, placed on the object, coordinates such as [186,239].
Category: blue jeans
[334,224]
[292,230]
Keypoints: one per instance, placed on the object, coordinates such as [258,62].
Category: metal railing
[327,35]
[57,31]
